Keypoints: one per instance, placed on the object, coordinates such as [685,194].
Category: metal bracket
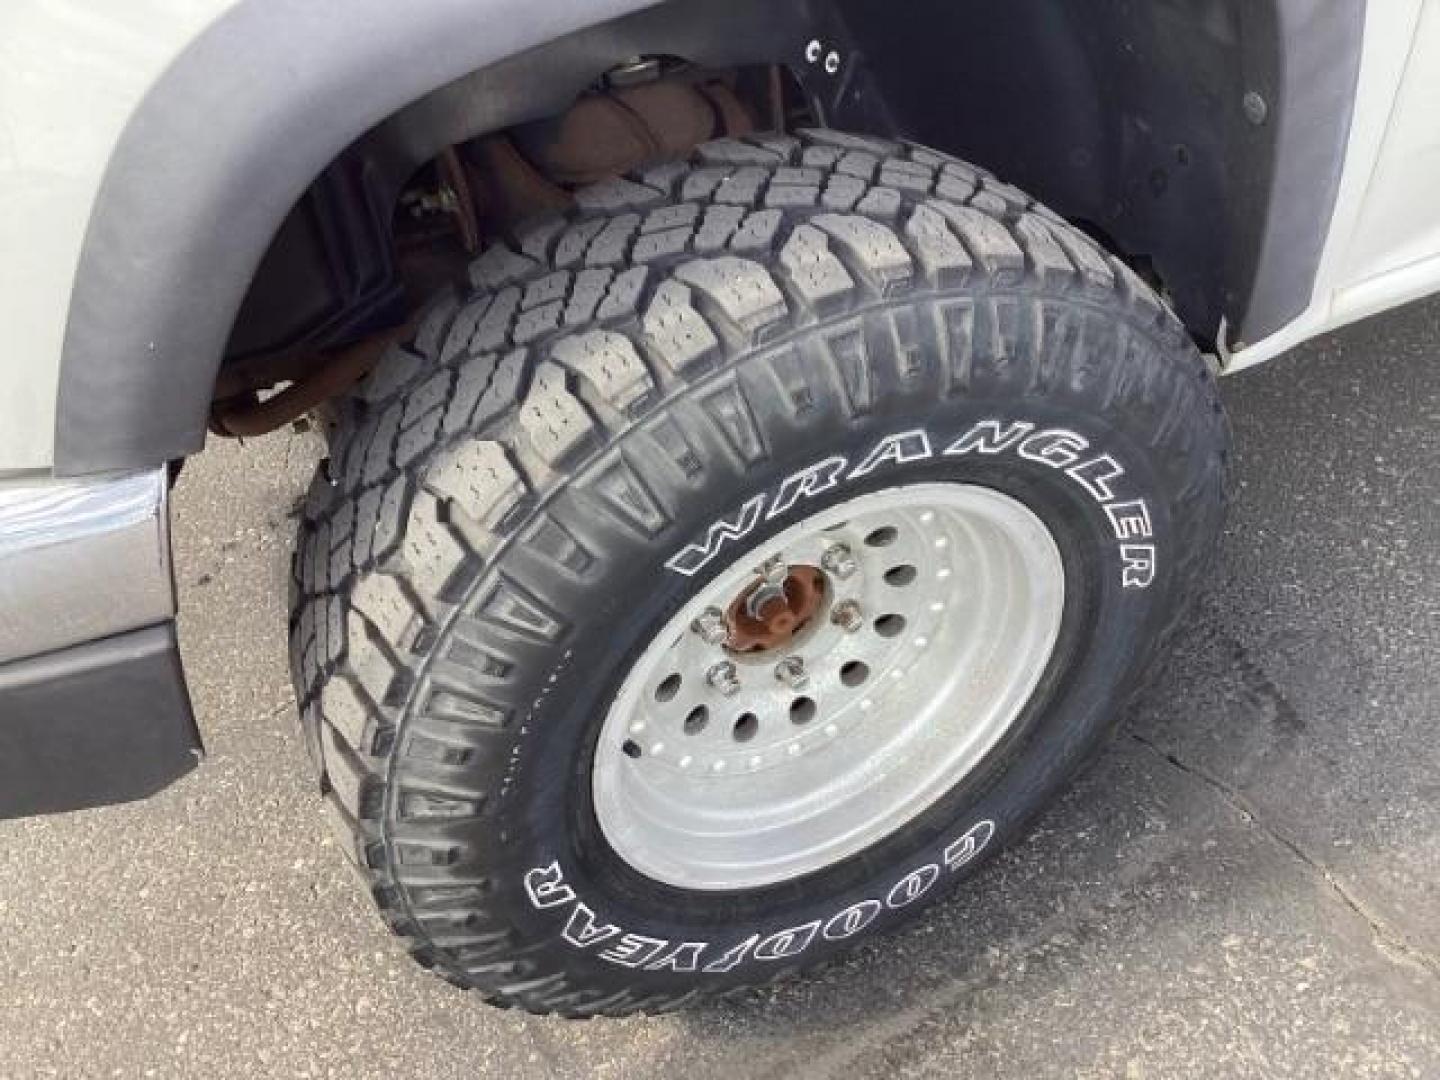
[836,78]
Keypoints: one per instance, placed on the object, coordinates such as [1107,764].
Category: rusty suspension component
[768,616]
[247,414]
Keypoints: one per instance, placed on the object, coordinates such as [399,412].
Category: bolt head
[774,570]
[723,677]
[839,561]
[1255,108]
[848,616]
[710,625]
[791,671]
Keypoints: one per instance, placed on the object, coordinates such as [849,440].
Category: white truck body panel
[71,73]
[1383,247]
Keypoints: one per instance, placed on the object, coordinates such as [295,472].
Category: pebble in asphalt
[1244,885]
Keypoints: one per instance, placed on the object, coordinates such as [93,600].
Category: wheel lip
[1036,544]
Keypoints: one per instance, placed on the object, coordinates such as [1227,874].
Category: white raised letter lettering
[730,959]
[1139,565]
[988,437]
[822,476]
[682,957]
[898,449]
[784,944]
[1130,520]
[693,557]
[1095,476]
[582,930]
[1055,447]
[632,950]
[851,920]
[960,851]
[545,885]
[912,886]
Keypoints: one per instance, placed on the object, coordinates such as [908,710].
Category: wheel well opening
[379,232]
[1124,119]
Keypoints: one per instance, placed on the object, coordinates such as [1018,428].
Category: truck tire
[738,564]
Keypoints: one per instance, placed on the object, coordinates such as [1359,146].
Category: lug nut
[774,570]
[847,615]
[791,671]
[710,625]
[838,561]
[723,677]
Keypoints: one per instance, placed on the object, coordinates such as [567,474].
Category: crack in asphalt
[1391,943]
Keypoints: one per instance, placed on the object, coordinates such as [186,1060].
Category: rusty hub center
[767,616]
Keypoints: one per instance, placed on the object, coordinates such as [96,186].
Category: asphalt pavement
[1244,885]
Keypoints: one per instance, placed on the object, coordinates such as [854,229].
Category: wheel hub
[769,614]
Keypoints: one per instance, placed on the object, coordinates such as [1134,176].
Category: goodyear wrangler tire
[759,370]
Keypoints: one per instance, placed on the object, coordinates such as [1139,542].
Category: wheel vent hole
[630,748]
[890,625]
[882,537]
[900,576]
[669,688]
[696,721]
[746,727]
[854,673]
[802,710]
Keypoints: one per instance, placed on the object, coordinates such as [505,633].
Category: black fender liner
[1208,136]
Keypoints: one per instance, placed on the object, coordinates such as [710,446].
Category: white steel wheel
[828,686]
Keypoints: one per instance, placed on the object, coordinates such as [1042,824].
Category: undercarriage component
[248,414]
[485,187]
[613,132]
